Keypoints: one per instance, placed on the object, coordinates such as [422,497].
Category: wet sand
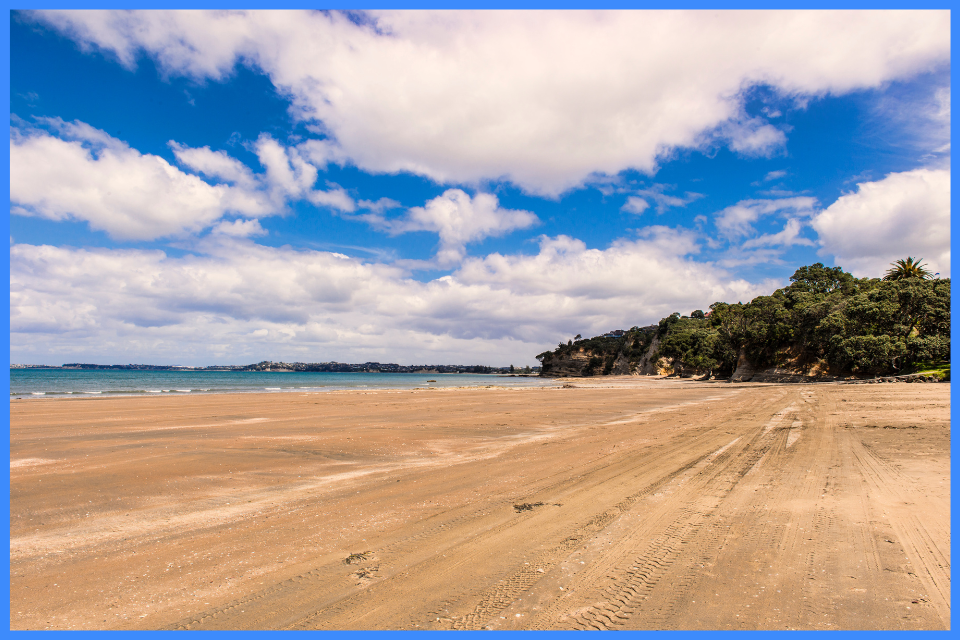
[613,503]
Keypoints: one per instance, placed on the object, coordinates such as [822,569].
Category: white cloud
[336,198]
[287,172]
[236,301]
[915,116]
[904,214]
[459,220]
[379,206]
[239,228]
[751,136]
[663,201]
[774,175]
[635,205]
[214,164]
[544,99]
[290,177]
[789,237]
[99,179]
[85,174]
[736,221]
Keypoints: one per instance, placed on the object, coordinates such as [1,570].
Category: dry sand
[629,504]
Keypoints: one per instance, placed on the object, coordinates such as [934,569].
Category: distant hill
[826,323]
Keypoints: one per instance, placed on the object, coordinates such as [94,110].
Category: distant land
[332,367]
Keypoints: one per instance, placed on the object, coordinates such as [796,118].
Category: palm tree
[908,268]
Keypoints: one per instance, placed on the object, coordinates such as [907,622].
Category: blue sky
[200,188]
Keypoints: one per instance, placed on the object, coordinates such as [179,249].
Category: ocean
[37,383]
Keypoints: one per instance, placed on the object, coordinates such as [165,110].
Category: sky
[453,187]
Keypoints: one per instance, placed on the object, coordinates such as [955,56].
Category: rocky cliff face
[568,365]
[629,354]
[647,365]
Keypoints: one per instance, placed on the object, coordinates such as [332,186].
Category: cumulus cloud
[458,219]
[85,174]
[544,99]
[904,214]
[635,205]
[737,221]
[288,175]
[235,301]
[213,164]
[88,175]
[751,136]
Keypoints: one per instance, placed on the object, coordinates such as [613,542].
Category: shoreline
[619,381]
[87,384]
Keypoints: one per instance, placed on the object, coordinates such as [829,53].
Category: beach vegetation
[825,320]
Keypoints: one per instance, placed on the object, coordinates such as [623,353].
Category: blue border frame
[420,4]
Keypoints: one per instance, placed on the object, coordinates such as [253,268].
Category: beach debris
[527,506]
[530,506]
[367,573]
[357,558]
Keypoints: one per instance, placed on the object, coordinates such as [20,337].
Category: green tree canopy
[825,318]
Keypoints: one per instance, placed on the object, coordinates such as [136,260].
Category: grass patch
[939,369]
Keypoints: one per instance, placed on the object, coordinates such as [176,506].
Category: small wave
[38,393]
[272,389]
[154,391]
[184,390]
[95,392]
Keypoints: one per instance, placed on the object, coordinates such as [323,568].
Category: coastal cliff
[616,353]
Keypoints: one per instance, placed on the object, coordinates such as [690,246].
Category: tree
[819,279]
[909,268]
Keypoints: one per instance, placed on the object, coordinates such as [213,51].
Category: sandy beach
[608,503]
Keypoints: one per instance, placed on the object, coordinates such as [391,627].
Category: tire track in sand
[891,488]
[626,591]
[671,529]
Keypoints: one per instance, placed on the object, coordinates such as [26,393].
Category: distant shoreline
[317,367]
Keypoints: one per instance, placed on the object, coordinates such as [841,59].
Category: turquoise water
[25,383]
